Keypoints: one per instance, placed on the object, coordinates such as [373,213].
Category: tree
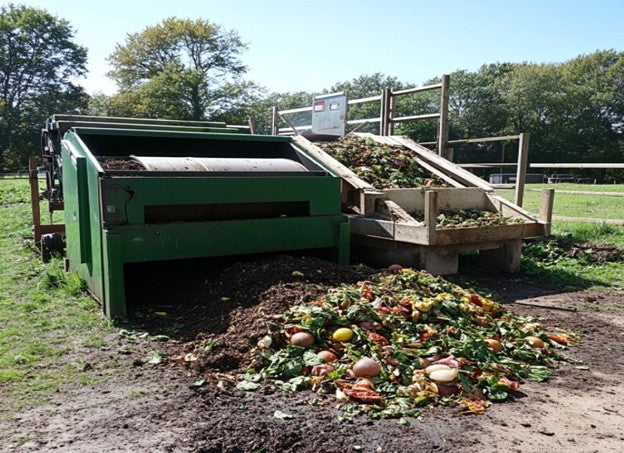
[38,61]
[180,68]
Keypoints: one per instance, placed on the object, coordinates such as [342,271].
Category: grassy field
[46,319]
[571,205]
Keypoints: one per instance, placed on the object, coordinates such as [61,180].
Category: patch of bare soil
[151,407]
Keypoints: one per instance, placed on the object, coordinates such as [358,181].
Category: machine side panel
[191,240]
[82,215]
[125,198]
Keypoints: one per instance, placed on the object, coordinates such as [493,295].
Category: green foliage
[38,61]
[55,277]
[180,68]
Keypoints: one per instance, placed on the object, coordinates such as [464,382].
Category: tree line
[193,69]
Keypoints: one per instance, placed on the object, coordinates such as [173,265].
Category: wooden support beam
[274,119]
[504,259]
[35,207]
[384,113]
[431,215]
[578,165]
[546,208]
[585,192]
[502,138]
[443,129]
[417,89]
[523,158]
[427,116]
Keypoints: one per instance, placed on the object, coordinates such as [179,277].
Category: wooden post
[274,119]
[546,208]
[431,215]
[523,157]
[252,125]
[443,130]
[33,179]
[391,106]
[384,128]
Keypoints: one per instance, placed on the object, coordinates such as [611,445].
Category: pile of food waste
[466,218]
[402,340]
[380,165]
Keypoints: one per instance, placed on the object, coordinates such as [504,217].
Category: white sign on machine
[329,114]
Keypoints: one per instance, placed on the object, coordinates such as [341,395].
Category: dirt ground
[139,406]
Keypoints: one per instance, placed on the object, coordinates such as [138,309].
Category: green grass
[46,319]
[546,263]
[570,205]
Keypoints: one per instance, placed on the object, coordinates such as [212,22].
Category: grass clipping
[405,321]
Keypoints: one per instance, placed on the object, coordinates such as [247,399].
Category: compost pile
[119,164]
[382,166]
[401,340]
[223,311]
[468,218]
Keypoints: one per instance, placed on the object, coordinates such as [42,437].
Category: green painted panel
[179,134]
[191,240]
[125,197]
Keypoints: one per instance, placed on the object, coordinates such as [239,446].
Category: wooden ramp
[383,232]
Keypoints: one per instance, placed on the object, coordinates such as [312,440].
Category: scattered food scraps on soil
[402,340]
[468,218]
[383,166]
[552,249]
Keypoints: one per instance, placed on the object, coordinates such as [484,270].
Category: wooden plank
[363,100]
[417,89]
[523,158]
[502,138]
[386,229]
[449,198]
[508,209]
[585,192]
[578,165]
[588,220]
[450,236]
[443,126]
[427,116]
[488,164]
[393,211]
[546,208]
[457,173]
[365,120]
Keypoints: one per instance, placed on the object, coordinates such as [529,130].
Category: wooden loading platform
[384,232]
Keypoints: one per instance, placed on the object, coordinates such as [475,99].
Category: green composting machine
[149,190]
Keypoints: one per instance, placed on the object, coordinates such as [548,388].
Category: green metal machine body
[115,217]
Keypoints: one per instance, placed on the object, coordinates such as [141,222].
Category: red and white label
[319,106]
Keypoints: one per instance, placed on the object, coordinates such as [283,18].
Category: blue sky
[310,45]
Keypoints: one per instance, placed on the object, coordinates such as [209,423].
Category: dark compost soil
[120,164]
[218,313]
